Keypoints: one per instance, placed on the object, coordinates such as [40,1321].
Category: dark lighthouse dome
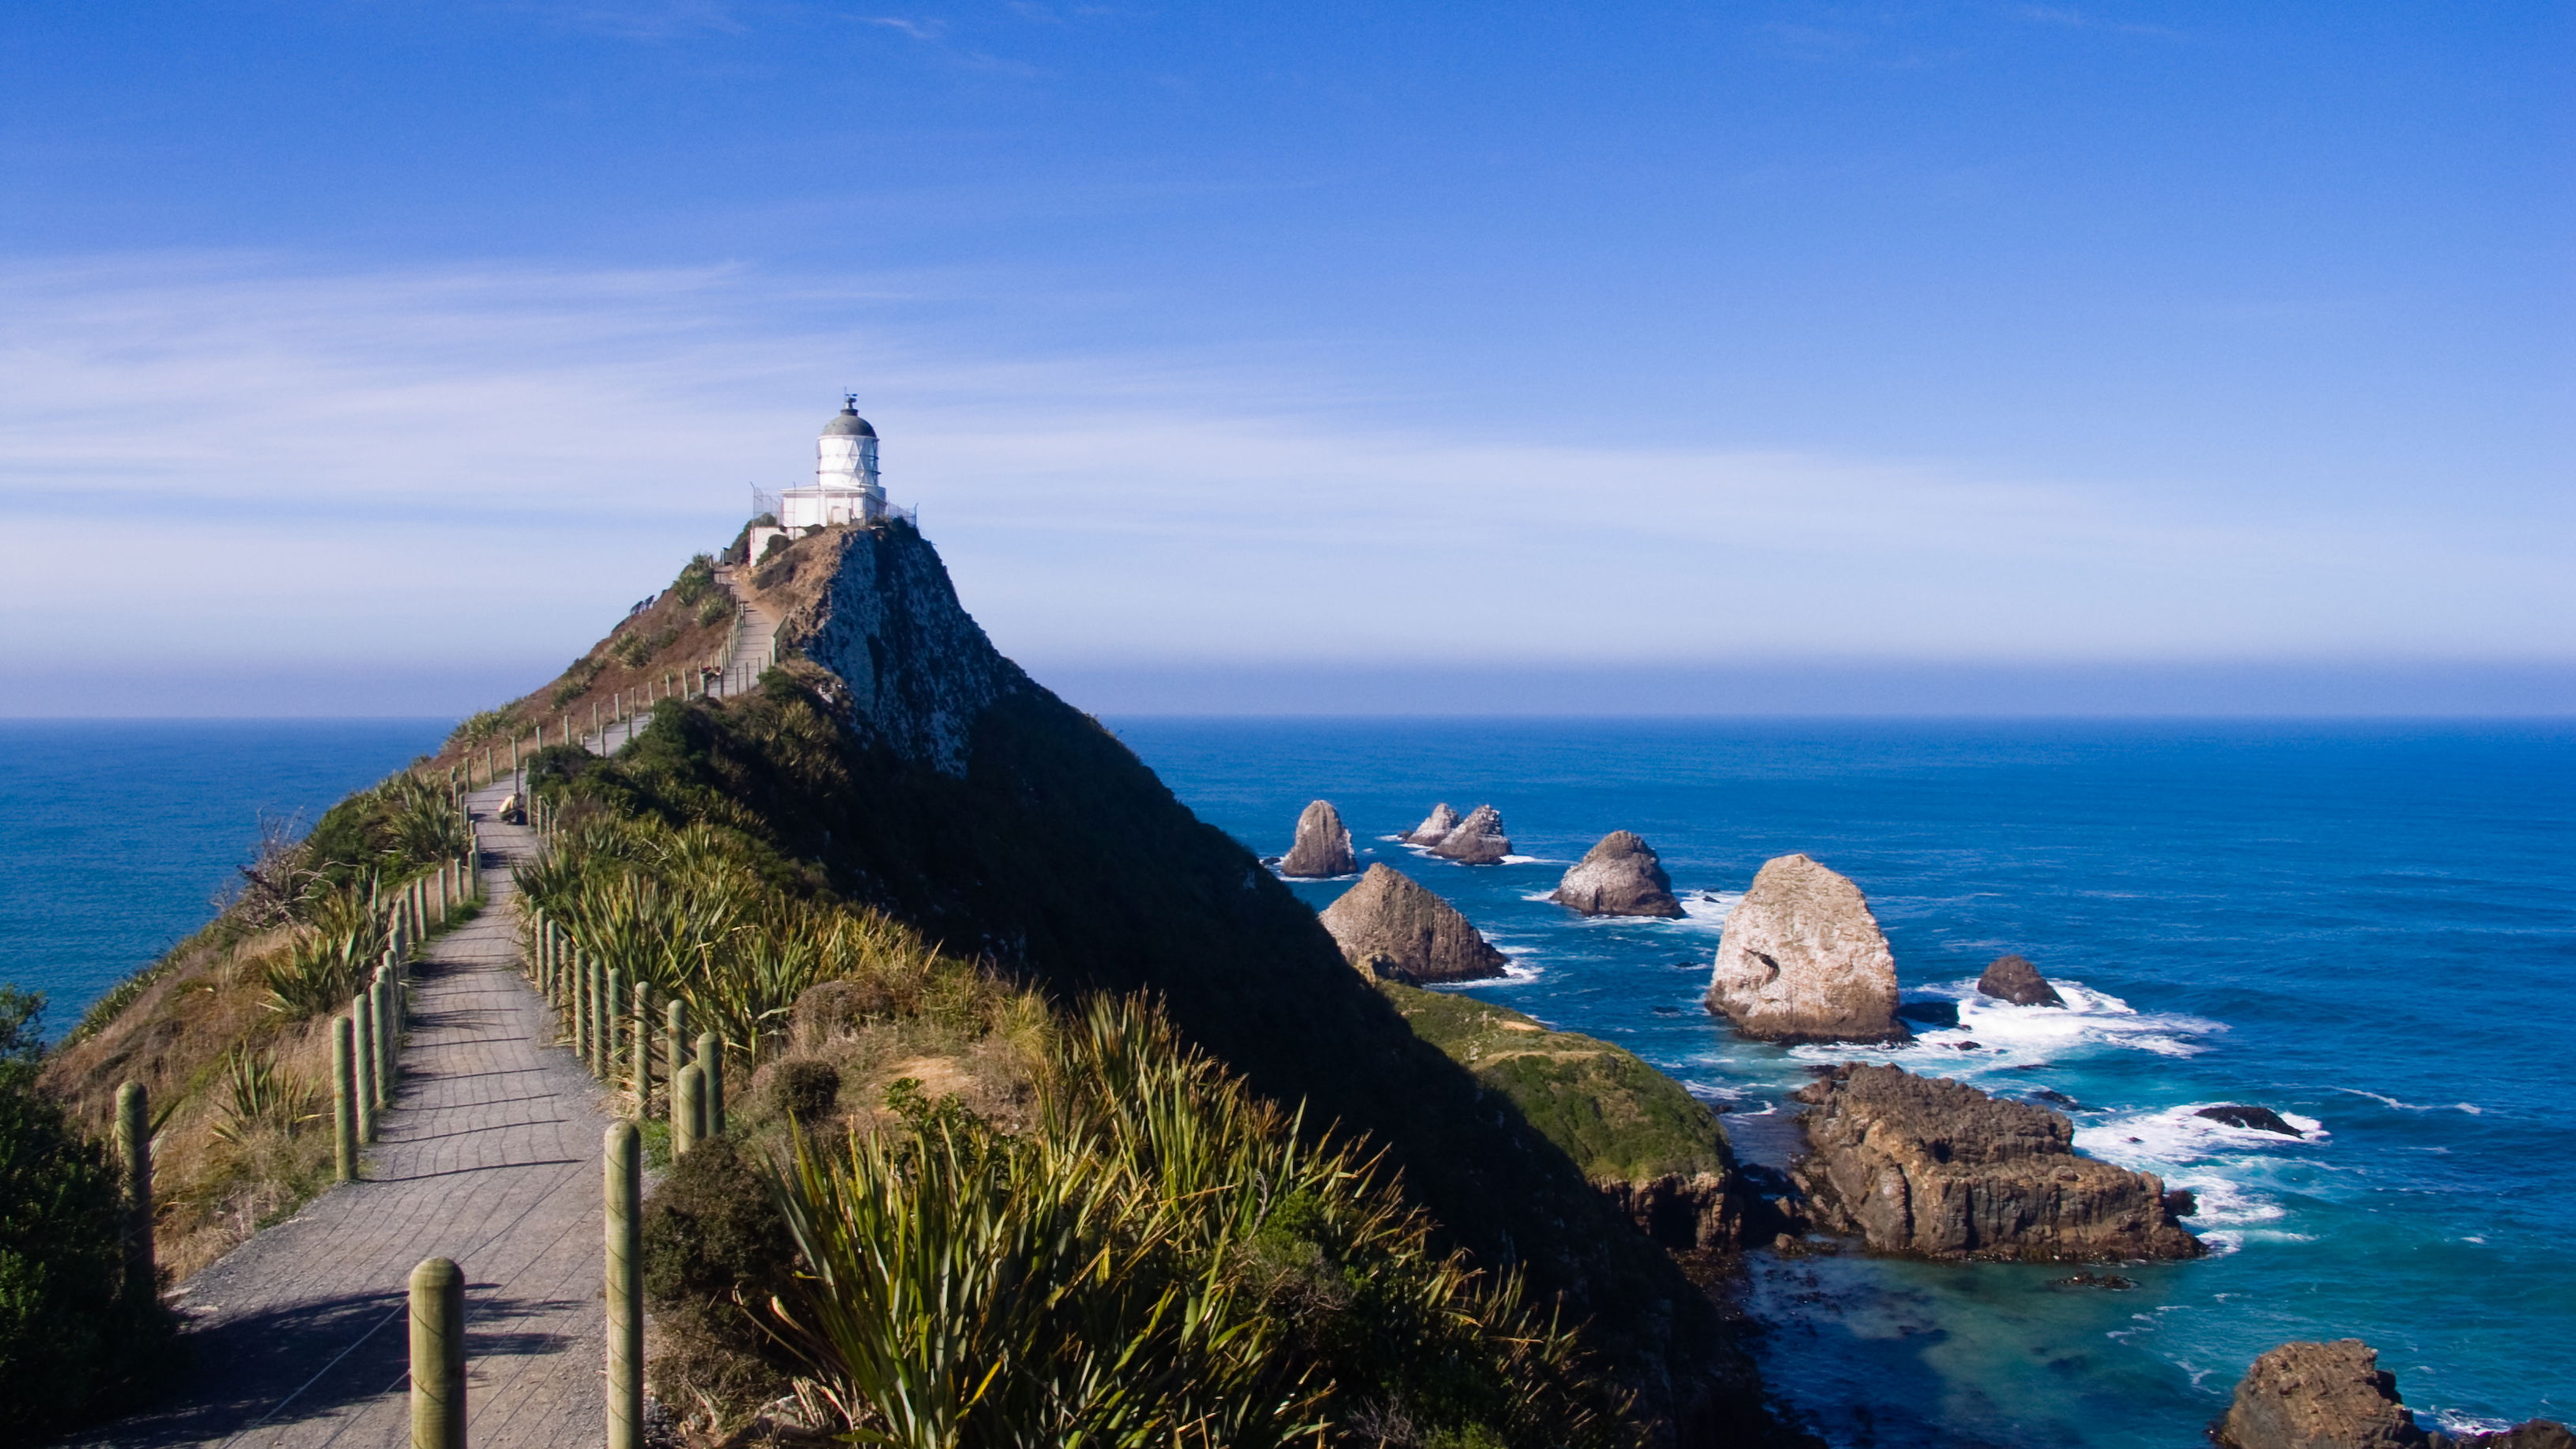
[847,423]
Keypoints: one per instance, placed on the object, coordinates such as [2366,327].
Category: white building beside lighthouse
[845,487]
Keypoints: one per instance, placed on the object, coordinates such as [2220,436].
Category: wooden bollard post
[711,1068]
[640,1057]
[675,1041]
[624,1234]
[134,1153]
[362,1047]
[437,1355]
[578,1006]
[688,1109]
[389,1035]
[612,1018]
[344,1100]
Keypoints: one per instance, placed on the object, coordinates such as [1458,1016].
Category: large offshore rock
[1941,1170]
[2336,1396]
[1389,926]
[1435,827]
[1803,960]
[1478,840]
[1323,845]
[2014,979]
[1621,876]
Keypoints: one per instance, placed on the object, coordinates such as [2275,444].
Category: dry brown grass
[174,1038]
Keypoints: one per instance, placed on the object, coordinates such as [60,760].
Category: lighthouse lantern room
[845,487]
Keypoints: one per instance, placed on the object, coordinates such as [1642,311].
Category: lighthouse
[845,488]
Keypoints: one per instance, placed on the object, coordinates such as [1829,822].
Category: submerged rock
[1389,926]
[1478,840]
[1803,960]
[1323,845]
[2014,979]
[2258,1119]
[1435,827]
[1942,1170]
[1621,876]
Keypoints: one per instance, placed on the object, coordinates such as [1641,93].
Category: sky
[369,357]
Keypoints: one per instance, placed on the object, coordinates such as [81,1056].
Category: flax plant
[340,939]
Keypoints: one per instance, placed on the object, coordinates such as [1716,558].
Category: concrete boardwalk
[490,1156]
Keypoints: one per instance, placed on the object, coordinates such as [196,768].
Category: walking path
[490,1156]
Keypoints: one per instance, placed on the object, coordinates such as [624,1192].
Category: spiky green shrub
[1162,1259]
[697,580]
[340,940]
[394,830]
[253,1096]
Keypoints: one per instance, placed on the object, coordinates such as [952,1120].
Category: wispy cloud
[923,30]
[229,458]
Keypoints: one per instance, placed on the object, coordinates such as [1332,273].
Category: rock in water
[1478,840]
[1621,876]
[1803,960]
[1389,926]
[1323,845]
[2319,1396]
[1940,1169]
[1435,827]
[2014,979]
[2256,1119]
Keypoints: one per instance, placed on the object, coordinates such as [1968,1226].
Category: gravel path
[490,1156]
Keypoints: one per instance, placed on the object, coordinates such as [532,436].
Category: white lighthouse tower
[845,488]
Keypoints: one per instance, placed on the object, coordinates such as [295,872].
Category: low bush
[578,679]
[75,1337]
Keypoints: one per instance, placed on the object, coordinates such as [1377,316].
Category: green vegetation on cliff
[1619,1119]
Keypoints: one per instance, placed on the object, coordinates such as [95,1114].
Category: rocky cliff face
[1803,960]
[2336,1396]
[1941,1170]
[1621,876]
[2014,979]
[1435,827]
[915,671]
[1389,926]
[1478,840]
[1323,845]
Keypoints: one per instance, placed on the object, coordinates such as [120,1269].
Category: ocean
[2370,928]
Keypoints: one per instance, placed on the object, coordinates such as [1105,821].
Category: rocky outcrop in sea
[1323,845]
[1478,840]
[1803,960]
[1435,827]
[1389,926]
[2014,979]
[2336,1396]
[1941,1170]
[1621,876]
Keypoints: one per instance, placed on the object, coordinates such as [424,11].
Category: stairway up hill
[925,773]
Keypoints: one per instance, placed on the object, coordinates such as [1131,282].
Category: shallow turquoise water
[2369,927]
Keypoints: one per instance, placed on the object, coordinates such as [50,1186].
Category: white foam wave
[2180,1137]
[2472,1108]
[2008,1035]
[1530,860]
[1701,913]
[2459,1423]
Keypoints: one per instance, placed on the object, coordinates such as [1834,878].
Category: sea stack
[2013,979]
[1941,1170]
[1435,827]
[1621,876]
[1389,926]
[1478,840]
[2336,1396]
[1323,845]
[1803,960]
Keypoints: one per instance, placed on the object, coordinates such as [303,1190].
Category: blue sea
[116,835]
[2369,928]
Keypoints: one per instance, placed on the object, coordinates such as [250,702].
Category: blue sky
[396,346]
